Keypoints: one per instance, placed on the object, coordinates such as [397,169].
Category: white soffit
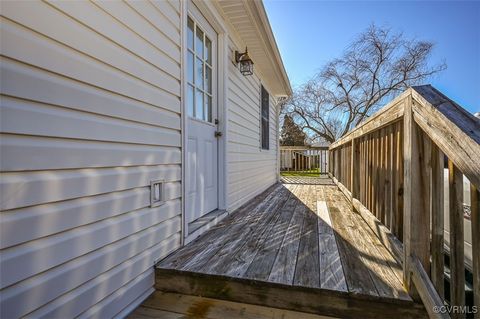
[249,19]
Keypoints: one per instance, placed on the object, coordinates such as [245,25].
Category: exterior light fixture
[246,64]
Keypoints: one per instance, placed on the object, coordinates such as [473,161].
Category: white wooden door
[202,146]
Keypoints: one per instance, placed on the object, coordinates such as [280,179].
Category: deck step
[295,298]
[168,305]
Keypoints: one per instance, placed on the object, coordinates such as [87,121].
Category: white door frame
[208,10]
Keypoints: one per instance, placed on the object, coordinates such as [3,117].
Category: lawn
[311,173]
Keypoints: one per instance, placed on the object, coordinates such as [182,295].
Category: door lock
[218,134]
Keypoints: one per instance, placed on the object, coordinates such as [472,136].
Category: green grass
[311,173]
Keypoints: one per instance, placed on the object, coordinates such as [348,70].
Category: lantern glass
[246,67]
[245,63]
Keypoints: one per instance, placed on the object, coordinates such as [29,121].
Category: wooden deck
[167,305]
[307,180]
[298,247]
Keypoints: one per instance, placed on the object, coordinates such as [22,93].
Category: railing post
[416,214]
[330,161]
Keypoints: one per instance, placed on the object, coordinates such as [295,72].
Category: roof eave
[276,52]
[251,28]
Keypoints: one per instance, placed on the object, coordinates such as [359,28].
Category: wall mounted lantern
[246,64]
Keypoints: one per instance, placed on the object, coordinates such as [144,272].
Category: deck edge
[303,299]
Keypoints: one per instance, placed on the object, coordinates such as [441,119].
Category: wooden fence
[392,169]
[304,159]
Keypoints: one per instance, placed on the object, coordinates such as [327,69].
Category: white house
[127,129]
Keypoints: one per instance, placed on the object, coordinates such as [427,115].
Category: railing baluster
[371,152]
[389,198]
[475,221]
[363,168]
[355,169]
[378,169]
[381,178]
[457,266]
[374,173]
[399,182]
[438,261]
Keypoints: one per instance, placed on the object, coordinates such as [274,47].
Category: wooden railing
[304,159]
[392,169]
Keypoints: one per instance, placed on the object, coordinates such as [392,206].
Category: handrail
[391,167]
[389,113]
[454,130]
[306,147]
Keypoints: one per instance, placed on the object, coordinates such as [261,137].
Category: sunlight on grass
[313,172]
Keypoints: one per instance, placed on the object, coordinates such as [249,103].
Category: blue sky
[310,33]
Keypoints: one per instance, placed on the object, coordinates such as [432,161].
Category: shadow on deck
[297,247]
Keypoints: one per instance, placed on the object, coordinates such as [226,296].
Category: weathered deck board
[307,272]
[385,280]
[235,256]
[331,269]
[293,235]
[307,180]
[262,263]
[357,274]
[283,268]
[223,244]
[244,214]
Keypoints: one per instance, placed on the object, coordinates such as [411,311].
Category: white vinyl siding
[90,114]
[250,169]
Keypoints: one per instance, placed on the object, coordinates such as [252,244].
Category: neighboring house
[111,157]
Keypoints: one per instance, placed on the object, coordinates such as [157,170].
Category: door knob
[218,134]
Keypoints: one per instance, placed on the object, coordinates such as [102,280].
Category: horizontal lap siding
[90,114]
[250,169]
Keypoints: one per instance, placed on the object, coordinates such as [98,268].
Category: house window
[265,125]
[199,73]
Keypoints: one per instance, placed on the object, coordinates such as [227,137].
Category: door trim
[212,16]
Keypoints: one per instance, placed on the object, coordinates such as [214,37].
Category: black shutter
[265,120]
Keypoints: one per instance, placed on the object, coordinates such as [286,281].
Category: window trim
[264,119]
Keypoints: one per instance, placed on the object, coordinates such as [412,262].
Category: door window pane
[190,100]
[190,67]
[190,34]
[208,79]
[199,105]
[199,43]
[208,108]
[208,50]
[199,73]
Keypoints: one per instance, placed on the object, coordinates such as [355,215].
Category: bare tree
[376,66]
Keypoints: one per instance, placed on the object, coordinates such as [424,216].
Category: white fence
[304,159]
